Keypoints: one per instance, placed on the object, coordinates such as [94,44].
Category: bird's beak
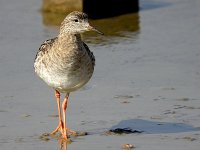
[92,28]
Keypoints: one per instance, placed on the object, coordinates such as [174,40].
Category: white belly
[66,81]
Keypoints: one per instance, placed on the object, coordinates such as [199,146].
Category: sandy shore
[146,80]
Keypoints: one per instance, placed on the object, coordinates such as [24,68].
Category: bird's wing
[45,46]
[89,53]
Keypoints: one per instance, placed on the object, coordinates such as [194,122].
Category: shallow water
[147,65]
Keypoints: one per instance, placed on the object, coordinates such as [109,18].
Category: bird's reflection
[63,144]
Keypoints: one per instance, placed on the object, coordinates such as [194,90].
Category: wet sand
[147,79]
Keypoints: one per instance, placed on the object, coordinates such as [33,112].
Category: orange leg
[64,107]
[60,123]
[65,129]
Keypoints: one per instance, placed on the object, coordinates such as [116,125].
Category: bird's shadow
[151,127]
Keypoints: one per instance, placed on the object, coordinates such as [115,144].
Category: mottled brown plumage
[65,62]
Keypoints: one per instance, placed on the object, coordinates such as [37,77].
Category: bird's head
[76,23]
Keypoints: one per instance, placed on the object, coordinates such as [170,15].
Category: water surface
[151,57]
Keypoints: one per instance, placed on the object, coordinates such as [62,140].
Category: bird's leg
[60,123]
[64,107]
[65,129]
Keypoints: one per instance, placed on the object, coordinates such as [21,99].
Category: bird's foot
[64,136]
[60,128]
[72,132]
[67,132]
[64,133]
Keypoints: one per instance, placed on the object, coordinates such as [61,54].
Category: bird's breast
[66,71]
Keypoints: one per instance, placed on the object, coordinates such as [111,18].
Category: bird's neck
[69,38]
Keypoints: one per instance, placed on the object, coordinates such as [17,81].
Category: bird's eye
[76,20]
